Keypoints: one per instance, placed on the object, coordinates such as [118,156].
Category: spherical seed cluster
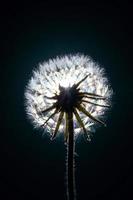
[70,82]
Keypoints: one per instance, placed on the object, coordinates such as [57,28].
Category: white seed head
[66,71]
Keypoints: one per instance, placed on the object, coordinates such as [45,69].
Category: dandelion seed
[68,95]
[69,75]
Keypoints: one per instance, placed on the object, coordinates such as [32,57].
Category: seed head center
[68,98]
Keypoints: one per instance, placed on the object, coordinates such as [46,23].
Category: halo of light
[66,71]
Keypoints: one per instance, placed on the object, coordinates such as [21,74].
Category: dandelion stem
[71,194]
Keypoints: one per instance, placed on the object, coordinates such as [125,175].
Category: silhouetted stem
[70,160]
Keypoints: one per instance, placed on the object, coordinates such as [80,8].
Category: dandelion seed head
[65,72]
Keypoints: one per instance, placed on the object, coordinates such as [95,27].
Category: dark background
[32,167]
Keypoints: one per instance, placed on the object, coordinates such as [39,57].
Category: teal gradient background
[33,167]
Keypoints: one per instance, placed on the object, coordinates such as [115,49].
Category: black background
[32,167]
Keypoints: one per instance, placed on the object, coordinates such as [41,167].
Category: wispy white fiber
[65,71]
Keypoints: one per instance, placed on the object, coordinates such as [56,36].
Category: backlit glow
[66,71]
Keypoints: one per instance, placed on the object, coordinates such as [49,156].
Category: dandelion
[68,95]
